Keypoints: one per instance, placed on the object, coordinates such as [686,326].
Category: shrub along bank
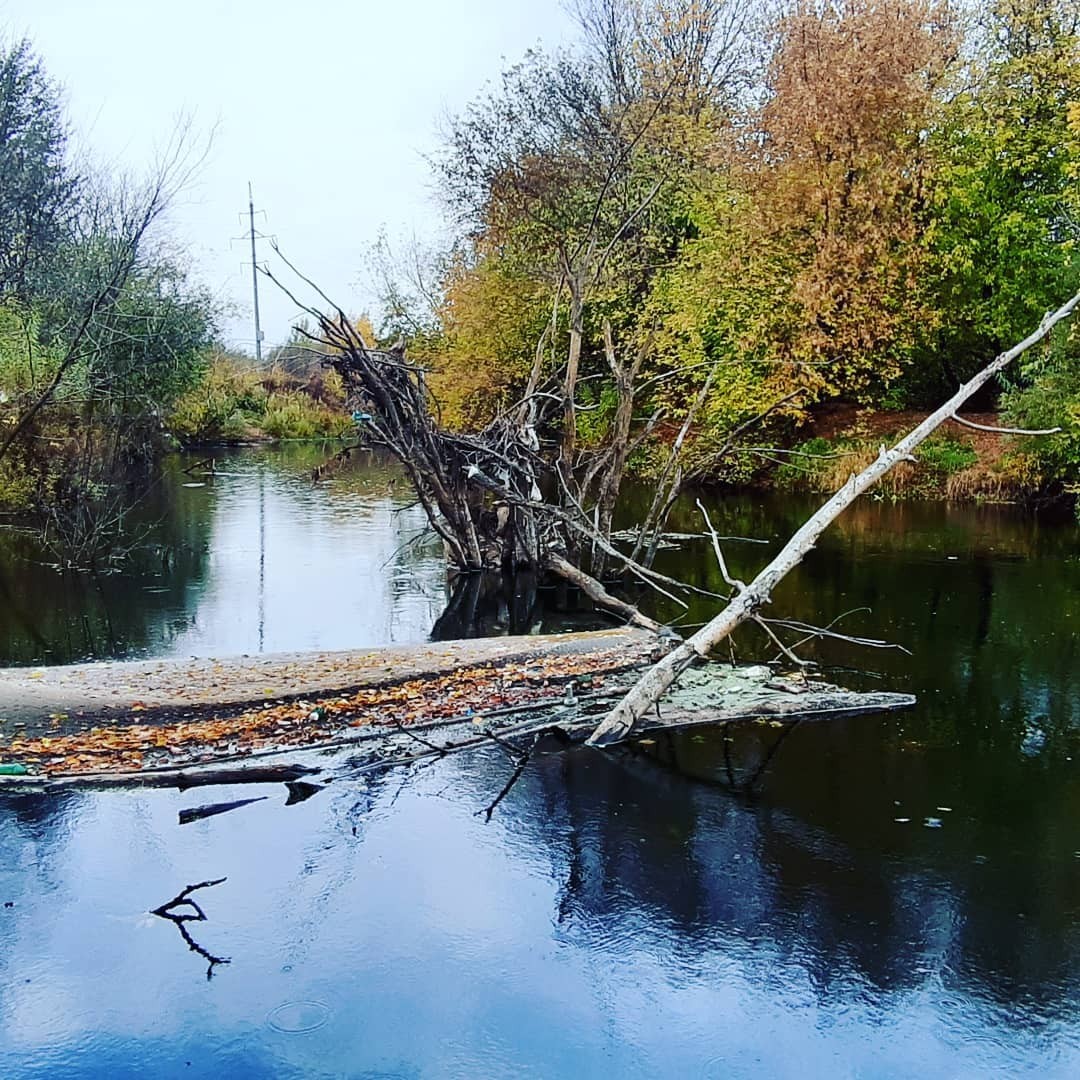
[237,403]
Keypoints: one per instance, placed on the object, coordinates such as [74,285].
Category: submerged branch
[173,911]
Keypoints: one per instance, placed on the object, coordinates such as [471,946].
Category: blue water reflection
[250,558]
[612,919]
[891,897]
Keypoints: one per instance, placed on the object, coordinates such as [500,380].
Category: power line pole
[255,278]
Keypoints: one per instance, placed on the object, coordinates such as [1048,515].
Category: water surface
[251,558]
[890,896]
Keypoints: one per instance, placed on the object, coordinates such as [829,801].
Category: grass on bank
[947,467]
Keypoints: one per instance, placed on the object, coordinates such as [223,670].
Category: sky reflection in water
[896,896]
[611,920]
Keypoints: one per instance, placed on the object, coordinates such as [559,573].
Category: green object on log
[13,770]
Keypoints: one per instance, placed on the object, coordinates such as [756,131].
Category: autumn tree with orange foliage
[853,199]
[815,269]
[843,180]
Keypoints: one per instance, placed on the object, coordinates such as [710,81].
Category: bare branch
[797,660]
[737,585]
[825,631]
[1004,430]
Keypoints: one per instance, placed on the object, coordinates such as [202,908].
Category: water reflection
[246,559]
[889,896]
[613,919]
[490,605]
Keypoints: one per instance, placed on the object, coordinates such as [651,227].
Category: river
[881,896]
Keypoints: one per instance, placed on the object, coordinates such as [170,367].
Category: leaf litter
[137,745]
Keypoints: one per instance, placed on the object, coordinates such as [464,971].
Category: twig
[440,750]
[515,776]
[798,661]
[738,586]
[182,898]
[824,631]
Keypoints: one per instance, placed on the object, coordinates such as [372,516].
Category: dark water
[891,897]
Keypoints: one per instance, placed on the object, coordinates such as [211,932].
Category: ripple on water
[298,1017]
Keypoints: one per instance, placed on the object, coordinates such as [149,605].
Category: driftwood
[749,599]
[199,813]
[195,776]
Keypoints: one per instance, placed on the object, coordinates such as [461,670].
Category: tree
[491,316]
[1001,240]
[79,312]
[699,54]
[575,180]
[100,330]
[38,189]
[809,243]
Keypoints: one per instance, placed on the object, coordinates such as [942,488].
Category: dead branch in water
[522,493]
[523,758]
[200,813]
[748,600]
[172,911]
[597,593]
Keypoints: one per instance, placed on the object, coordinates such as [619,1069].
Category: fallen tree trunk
[648,690]
[597,593]
[151,739]
[224,773]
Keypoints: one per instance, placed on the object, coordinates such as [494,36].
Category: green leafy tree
[38,189]
[1002,235]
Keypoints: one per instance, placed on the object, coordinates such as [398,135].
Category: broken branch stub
[648,690]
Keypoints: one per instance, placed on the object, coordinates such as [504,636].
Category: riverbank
[237,404]
[957,464]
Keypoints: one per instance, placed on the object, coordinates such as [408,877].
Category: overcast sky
[328,107]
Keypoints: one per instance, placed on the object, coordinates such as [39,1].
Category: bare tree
[638,45]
